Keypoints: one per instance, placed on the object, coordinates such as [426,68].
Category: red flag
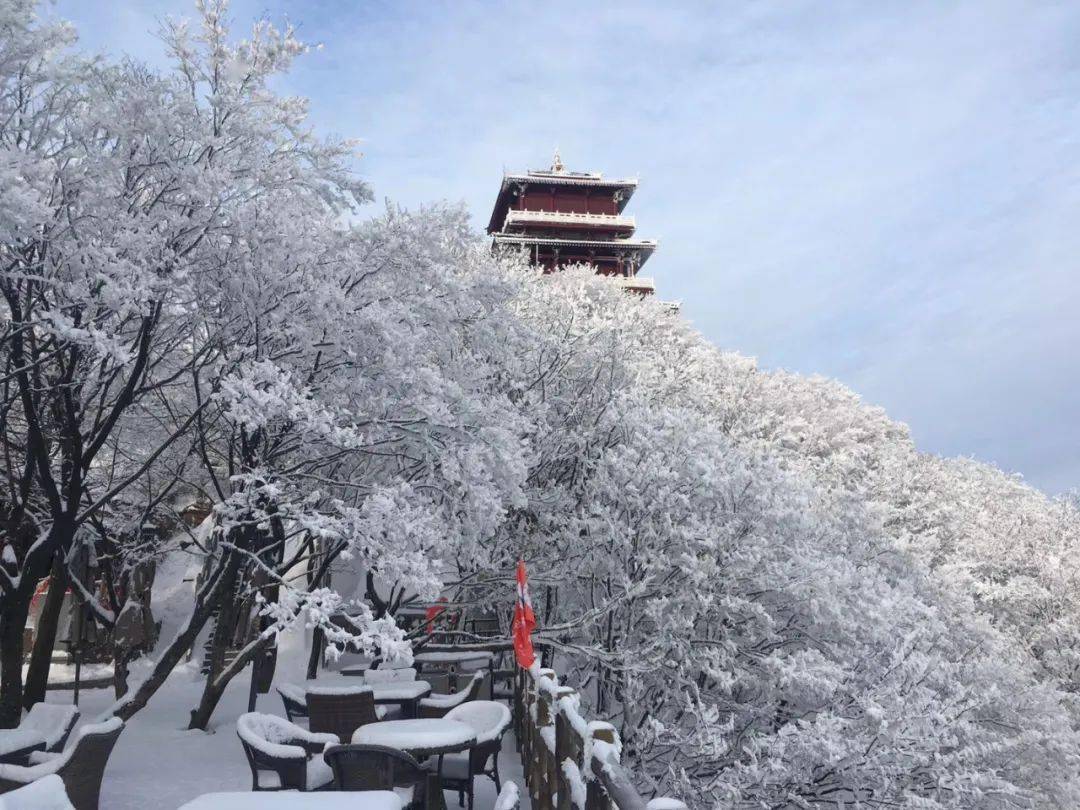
[432,614]
[524,621]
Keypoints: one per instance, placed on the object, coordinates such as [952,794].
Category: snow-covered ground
[159,764]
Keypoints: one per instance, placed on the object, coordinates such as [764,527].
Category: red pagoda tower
[564,217]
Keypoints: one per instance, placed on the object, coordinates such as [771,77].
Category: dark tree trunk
[37,674]
[12,622]
[126,707]
[120,672]
[215,686]
[316,653]
[220,674]
[224,626]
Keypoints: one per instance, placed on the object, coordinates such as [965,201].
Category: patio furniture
[340,710]
[295,700]
[463,659]
[489,720]
[376,767]
[284,752]
[437,705]
[403,693]
[420,738]
[17,744]
[54,721]
[378,677]
[46,793]
[360,800]
[406,694]
[81,766]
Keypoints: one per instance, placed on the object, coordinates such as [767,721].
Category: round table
[420,738]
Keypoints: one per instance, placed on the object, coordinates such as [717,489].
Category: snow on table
[400,690]
[323,800]
[429,735]
[381,692]
[16,739]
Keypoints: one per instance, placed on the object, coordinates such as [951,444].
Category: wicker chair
[438,705]
[278,747]
[341,710]
[489,720]
[81,766]
[53,721]
[377,767]
[295,701]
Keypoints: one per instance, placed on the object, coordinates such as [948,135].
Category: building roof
[554,177]
[644,246]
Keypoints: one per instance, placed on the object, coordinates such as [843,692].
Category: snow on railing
[529,215]
[569,762]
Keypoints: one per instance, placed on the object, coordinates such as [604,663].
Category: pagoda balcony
[533,217]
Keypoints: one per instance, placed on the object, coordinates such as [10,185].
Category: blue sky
[887,193]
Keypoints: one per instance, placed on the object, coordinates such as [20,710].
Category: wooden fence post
[528,736]
[596,798]
[545,799]
[519,726]
[566,747]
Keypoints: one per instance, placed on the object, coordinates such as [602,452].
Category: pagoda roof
[645,246]
[553,177]
[564,178]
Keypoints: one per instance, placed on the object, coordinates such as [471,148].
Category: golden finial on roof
[556,163]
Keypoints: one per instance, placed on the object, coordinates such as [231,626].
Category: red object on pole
[524,621]
[432,614]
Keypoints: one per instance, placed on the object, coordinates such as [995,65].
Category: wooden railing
[569,762]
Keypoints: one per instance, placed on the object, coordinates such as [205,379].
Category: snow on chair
[489,720]
[52,721]
[341,710]
[434,706]
[81,766]
[283,751]
[294,700]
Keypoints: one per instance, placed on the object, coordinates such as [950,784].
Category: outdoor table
[454,659]
[421,738]
[291,800]
[17,744]
[453,664]
[406,694]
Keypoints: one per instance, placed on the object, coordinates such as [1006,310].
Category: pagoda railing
[563,217]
